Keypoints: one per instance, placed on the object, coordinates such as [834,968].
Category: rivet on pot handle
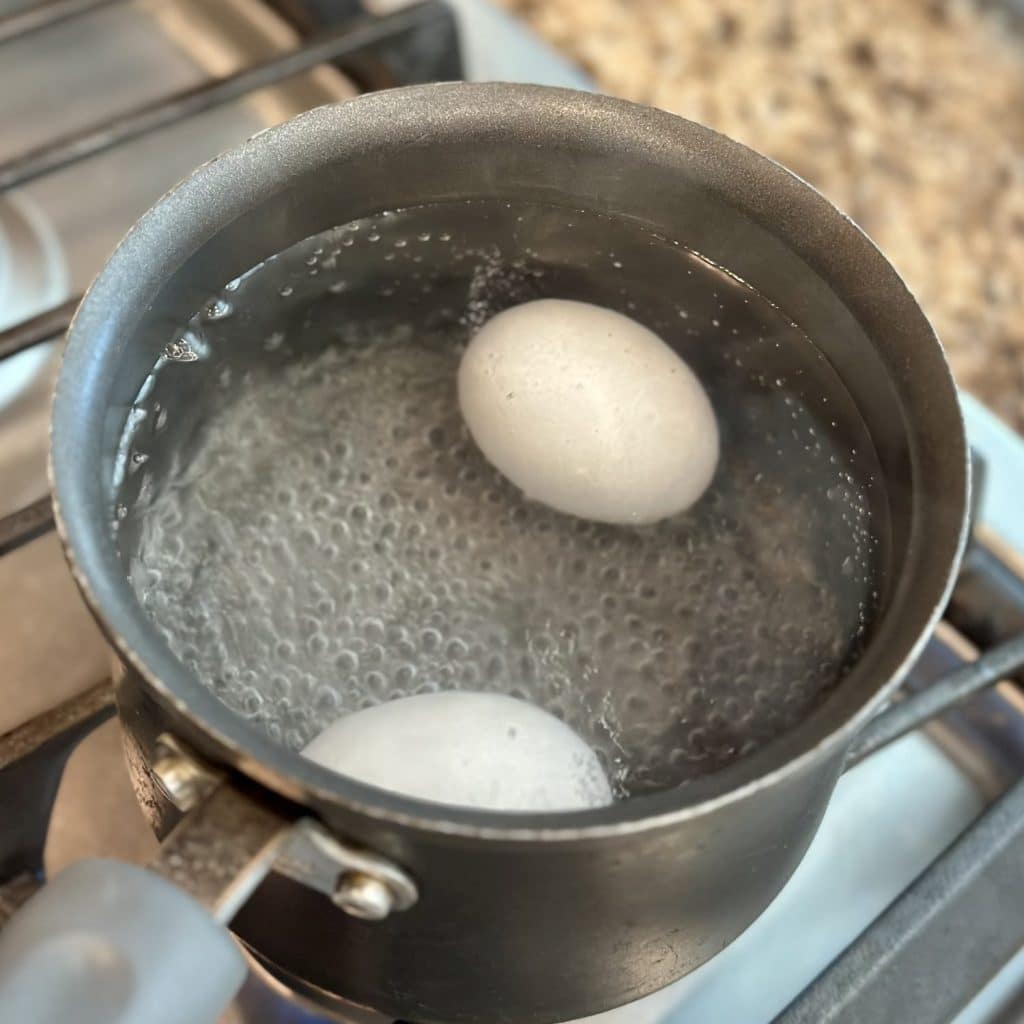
[228,844]
[182,777]
[111,942]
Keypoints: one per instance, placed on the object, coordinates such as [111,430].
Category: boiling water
[328,537]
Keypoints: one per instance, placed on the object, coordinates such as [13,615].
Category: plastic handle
[109,943]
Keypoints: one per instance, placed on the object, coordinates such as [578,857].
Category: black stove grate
[416,44]
[946,937]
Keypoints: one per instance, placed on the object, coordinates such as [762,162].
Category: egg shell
[588,411]
[481,750]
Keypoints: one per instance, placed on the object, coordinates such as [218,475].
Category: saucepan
[416,909]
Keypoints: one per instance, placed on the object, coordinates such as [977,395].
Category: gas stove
[907,905]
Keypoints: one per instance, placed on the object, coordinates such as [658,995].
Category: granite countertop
[909,116]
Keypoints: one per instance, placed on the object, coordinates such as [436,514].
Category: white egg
[588,411]
[479,750]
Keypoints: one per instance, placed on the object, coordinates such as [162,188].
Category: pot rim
[337,130]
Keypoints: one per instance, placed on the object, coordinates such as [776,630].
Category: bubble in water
[180,351]
[219,309]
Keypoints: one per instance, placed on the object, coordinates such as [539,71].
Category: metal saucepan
[509,917]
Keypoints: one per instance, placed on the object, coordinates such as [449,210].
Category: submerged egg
[481,750]
[589,412]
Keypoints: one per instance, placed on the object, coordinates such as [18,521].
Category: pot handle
[916,710]
[110,943]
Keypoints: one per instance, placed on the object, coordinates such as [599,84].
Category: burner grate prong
[920,708]
[43,16]
[32,758]
[49,324]
[25,525]
[351,37]
[944,939]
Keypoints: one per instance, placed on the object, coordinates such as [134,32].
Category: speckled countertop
[908,115]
